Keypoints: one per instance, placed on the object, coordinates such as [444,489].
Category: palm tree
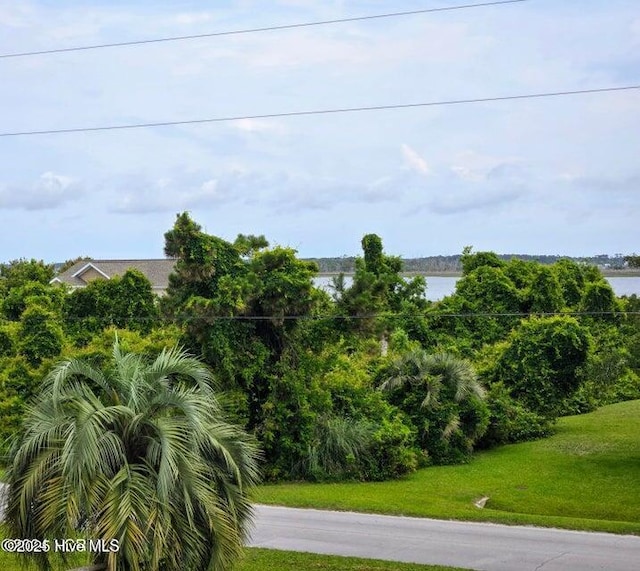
[444,398]
[433,371]
[137,453]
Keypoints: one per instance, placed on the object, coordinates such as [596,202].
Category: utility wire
[428,315]
[264,29]
[318,112]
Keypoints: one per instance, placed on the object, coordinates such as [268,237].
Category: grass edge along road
[584,477]
[258,559]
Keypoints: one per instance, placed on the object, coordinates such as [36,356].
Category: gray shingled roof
[156,271]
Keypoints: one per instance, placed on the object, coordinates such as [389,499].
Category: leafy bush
[338,446]
[390,451]
[542,361]
[7,341]
[510,421]
[40,335]
[443,398]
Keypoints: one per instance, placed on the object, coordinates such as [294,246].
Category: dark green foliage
[545,293]
[606,376]
[571,277]
[247,245]
[633,261]
[134,302]
[202,260]
[521,273]
[19,377]
[32,292]
[7,341]
[281,286]
[510,421]
[243,315]
[18,272]
[40,335]
[391,450]
[488,289]
[288,417]
[471,262]
[373,257]
[300,368]
[485,290]
[378,289]
[444,400]
[19,382]
[598,297]
[11,414]
[542,362]
[630,327]
[125,301]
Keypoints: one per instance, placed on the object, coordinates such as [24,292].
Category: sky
[556,175]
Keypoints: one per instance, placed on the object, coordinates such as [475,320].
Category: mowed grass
[586,476]
[267,559]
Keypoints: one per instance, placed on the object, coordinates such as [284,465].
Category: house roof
[156,271]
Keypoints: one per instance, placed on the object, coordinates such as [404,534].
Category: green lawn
[267,559]
[586,476]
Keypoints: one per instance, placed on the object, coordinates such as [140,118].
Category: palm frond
[139,453]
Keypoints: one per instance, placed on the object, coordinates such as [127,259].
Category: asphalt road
[476,546]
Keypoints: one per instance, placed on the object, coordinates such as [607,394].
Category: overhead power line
[262,29]
[319,112]
[184,318]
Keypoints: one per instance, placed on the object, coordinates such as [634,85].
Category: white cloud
[473,166]
[49,191]
[167,194]
[190,18]
[414,161]
[258,126]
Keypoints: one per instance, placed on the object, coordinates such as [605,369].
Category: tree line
[368,381]
[453,263]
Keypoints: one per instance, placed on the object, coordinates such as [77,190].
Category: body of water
[441,286]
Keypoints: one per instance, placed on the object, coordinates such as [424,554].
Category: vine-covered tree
[542,361]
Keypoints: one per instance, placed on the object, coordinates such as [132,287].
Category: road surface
[478,546]
[468,545]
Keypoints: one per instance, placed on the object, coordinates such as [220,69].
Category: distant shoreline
[453,274]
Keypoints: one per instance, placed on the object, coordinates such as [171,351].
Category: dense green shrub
[7,341]
[125,302]
[598,298]
[510,421]
[607,375]
[11,413]
[544,294]
[40,335]
[390,450]
[444,400]
[486,290]
[542,362]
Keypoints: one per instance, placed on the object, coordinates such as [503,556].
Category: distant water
[441,286]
